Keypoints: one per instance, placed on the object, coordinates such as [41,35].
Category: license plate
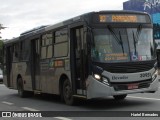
[132,86]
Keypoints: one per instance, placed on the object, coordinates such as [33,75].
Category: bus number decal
[145,75]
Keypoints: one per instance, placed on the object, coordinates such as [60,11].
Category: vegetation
[1,47]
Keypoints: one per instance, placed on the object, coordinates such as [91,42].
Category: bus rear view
[123,55]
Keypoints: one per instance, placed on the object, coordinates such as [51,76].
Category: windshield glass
[1,72]
[122,45]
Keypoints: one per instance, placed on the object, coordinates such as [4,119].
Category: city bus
[94,55]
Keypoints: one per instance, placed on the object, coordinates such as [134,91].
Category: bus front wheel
[67,93]
[120,97]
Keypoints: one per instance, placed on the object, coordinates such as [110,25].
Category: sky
[22,15]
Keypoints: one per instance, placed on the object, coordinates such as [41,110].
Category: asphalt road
[136,103]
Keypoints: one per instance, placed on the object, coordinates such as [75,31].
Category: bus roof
[45,28]
[13,40]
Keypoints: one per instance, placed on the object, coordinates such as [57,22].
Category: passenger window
[47,46]
[61,43]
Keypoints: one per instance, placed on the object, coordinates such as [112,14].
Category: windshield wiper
[113,33]
[135,41]
[139,29]
[119,40]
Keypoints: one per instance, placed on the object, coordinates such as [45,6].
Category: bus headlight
[106,81]
[155,74]
[96,76]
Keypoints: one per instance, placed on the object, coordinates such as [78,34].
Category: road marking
[62,118]
[30,109]
[8,103]
[144,98]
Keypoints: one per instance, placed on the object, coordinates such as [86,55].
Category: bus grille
[127,67]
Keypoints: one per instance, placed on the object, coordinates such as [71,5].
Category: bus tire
[21,91]
[67,93]
[120,97]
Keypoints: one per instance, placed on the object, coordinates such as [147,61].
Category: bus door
[35,64]
[78,60]
[8,62]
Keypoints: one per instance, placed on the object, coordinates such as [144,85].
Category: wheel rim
[67,92]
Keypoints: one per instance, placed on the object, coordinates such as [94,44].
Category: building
[153,8]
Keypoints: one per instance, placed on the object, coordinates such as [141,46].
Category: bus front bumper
[96,89]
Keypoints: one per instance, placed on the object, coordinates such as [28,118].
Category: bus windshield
[122,45]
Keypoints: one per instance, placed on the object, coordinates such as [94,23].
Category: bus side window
[61,43]
[15,53]
[43,52]
[46,46]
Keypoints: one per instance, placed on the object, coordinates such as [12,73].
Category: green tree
[1,27]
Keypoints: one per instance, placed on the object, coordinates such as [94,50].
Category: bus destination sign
[117,18]
[122,18]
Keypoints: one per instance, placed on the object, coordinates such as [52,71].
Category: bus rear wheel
[21,91]
[67,93]
[120,97]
